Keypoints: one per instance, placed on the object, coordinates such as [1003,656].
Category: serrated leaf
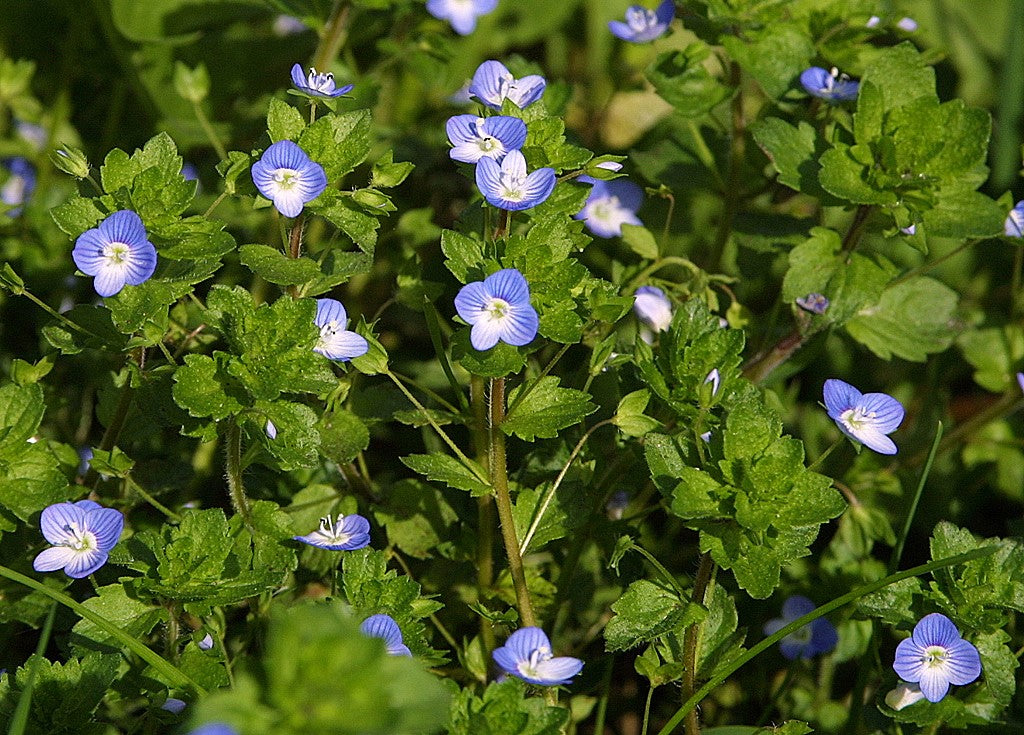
[284,122]
[645,611]
[338,142]
[545,410]
[450,471]
[274,266]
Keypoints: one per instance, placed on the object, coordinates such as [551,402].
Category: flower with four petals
[336,342]
[527,655]
[475,137]
[819,636]
[117,252]
[345,533]
[506,185]
[316,84]
[288,177]
[643,25]
[935,656]
[82,535]
[492,84]
[610,205]
[499,310]
[864,417]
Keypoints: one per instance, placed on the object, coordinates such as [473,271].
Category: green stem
[543,507]
[526,390]
[499,481]
[19,720]
[824,455]
[216,202]
[124,404]
[897,552]
[151,500]
[602,702]
[211,134]
[640,278]
[853,235]
[470,464]
[434,329]
[170,672]
[333,37]
[700,586]
[234,473]
[647,710]
[55,314]
[484,512]
[810,617]
[737,151]
[925,267]
[680,590]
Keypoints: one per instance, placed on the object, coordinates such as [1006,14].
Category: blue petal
[383,627]
[511,131]
[520,326]
[488,173]
[461,128]
[84,563]
[871,438]
[1014,226]
[963,663]
[472,300]
[839,396]
[525,641]
[666,12]
[329,310]
[344,345]
[283,154]
[539,185]
[509,285]
[56,519]
[527,90]
[557,670]
[485,334]
[109,280]
[796,606]
[909,660]
[824,636]
[933,684]
[815,80]
[53,558]
[888,411]
[935,630]
[630,195]
[88,251]
[140,264]
[107,524]
[298,78]
[486,84]
[123,226]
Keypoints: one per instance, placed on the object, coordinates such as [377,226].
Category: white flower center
[801,636]
[640,19]
[286,178]
[497,309]
[332,531]
[320,82]
[606,210]
[512,186]
[327,334]
[116,252]
[935,657]
[529,667]
[81,540]
[857,418]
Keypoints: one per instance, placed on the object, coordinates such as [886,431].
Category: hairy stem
[700,587]
[499,481]
[234,473]
[484,512]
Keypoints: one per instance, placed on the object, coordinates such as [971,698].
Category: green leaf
[274,266]
[21,412]
[386,173]
[297,442]
[793,152]
[77,215]
[347,216]
[911,320]
[417,517]
[450,471]
[203,387]
[640,241]
[464,255]
[844,176]
[342,436]
[901,76]
[682,79]
[774,55]
[545,410]
[339,143]
[130,615]
[629,415]
[645,611]
[284,122]
[500,360]
[504,709]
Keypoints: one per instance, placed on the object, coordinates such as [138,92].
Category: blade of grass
[172,673]
[20,719]
[810,617]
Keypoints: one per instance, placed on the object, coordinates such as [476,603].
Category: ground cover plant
[511,368]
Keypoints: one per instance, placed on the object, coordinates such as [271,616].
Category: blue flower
[19,185]
[213,728]
[315,84]
[864,417]
[346,533]
[288,25]
[82,535]
[335,341]
[829,86]
[385,628]
[287,176]
[508,186]
[652,307]
[714,379]
[935,656]
[903,696]
[815,303]
[644,25]
[116,253]
[1020,381]
[34,134]
[810,640]
[492,84]
[475,137]
[499,309]
[527,655]
[462,14]
[1014,226]
[611,205]
[206,643]
[174,706]
[907,24]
